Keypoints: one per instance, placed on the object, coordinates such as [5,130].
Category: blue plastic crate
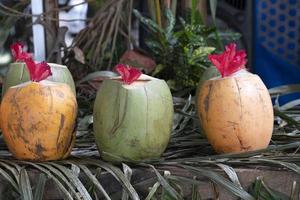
[277,43]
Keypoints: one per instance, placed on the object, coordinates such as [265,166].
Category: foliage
[105,38]
[181,49]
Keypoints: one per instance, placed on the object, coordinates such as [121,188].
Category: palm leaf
[10,179]
[74,180]
[153,191]
[231,174]
[291,166]
[60,185]
[25,186]
[171,191]
[233,188]
[128,173]
[284,90]
[40,187]
[94,180]
[62,179]
[118,174]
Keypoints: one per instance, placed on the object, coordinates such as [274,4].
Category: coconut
[38,117]
[17,73]
[235,110]
[133,122]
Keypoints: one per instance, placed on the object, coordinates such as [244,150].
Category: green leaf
[228,35]
[25,186]
[194,11]
[40,187]
[149,23]
[171,23]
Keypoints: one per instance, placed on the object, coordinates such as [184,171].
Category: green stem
[173,7]
[151,8]
[158,13]
[219,41]
[193,14]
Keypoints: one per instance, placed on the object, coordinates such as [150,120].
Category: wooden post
[51,25]
[38,31]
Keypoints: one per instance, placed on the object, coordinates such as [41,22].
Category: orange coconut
[235,111]
[38,119]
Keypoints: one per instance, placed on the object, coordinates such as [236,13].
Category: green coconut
[133,122]
[17,73]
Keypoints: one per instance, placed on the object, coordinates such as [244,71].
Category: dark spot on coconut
[224,136]
[39,149]
[61,125]
[134,142]
[20,132]
[38,152]
[242,145]
[207,98]
[59,94]
[70,139]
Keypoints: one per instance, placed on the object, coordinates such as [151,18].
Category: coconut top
[38,71]
[41,83]
[239,73]
[18,53]
[56,65]
[230,61]
[128,74]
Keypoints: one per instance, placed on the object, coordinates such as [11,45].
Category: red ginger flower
[128,74]
[18,53]
[230,61]
[38,71]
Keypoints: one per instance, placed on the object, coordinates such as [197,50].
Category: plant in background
[180,49]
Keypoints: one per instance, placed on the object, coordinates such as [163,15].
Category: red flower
[230,61]
[128,74]
[17,52]
[38,71]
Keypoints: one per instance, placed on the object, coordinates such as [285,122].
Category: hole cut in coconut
[141,81]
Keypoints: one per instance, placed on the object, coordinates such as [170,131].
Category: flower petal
[128,74]
[17,52]
[38,71]
[230,61]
